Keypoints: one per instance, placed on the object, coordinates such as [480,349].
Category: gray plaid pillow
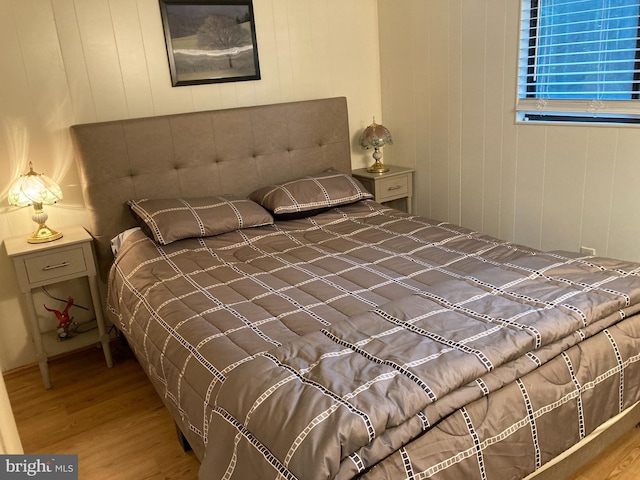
[171,219]
[311,194]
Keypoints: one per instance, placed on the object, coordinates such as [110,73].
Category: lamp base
[378,167]
[44,234]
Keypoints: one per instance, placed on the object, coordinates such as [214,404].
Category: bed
[295,328]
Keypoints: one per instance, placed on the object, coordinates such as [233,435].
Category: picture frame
[210,41]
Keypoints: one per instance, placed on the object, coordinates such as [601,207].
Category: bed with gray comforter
[342,339]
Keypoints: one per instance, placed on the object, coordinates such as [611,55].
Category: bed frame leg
[184,443]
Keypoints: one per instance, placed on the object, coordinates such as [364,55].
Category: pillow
[168,220]
[311,194]
[118,240]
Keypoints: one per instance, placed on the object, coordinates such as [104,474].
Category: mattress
[367,342]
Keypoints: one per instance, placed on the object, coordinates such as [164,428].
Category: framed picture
[210,41]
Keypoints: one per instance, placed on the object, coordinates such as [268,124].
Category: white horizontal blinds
[579,56]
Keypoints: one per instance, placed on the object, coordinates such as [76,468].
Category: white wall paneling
[545,186]
[79,61]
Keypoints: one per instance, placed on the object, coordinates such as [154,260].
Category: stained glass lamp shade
[376,136]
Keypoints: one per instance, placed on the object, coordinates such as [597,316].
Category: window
[579,61]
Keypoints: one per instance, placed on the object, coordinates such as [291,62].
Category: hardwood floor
[621,461]
[111,417]
[114,420]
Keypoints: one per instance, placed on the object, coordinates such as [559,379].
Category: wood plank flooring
[621,461]
[111,417]
[114,420]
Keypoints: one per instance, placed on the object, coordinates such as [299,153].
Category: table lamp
[36,189]
[376,136]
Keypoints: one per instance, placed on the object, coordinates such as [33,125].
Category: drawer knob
[59,265]
[396,187]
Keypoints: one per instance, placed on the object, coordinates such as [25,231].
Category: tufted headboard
[202,153]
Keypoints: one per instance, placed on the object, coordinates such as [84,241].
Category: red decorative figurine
[65,321]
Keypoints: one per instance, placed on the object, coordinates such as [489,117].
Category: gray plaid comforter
[363,337]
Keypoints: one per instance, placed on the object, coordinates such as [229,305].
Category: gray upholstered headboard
[202,153]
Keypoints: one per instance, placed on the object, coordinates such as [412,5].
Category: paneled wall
[77,61]
[448,76]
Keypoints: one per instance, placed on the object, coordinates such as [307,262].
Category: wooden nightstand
[43,264]
[395,184]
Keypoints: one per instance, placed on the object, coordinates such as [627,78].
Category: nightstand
[395,184]
[42,264]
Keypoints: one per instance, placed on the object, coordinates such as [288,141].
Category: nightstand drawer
[395,184]
[393,187]
[55,264]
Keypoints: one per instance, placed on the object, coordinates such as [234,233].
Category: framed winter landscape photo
[210,41]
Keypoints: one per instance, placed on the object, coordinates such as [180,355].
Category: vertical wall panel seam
[613,186]
[66,75]
[544,173]
[515,186]
[484,124]
[584,188]
[502,117]
[461,120]
[146,59]
[115,42]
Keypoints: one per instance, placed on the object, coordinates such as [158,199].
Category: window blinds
[579,58]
